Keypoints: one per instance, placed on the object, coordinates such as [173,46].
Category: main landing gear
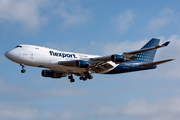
[84,77]
[87,76]
[23,70]
[71,78]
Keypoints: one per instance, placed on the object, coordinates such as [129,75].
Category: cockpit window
[18,46]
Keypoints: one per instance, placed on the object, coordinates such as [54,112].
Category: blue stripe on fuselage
[130,66]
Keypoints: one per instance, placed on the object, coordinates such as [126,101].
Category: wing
[130,55]
[95,65]
[147,49]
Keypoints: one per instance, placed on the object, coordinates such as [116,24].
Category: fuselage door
[31,55]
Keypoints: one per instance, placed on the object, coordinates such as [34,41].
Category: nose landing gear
[23,70]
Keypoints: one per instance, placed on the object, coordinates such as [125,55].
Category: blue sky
[94,27]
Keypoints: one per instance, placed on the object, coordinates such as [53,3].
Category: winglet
[166,43]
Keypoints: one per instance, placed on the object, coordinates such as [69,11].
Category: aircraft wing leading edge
[147,49]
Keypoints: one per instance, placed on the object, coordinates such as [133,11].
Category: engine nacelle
[82,64]
[117,58]
[51,73]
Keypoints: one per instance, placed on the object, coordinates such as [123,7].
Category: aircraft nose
[11,55]
[7,54]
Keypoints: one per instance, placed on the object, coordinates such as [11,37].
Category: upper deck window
[18,46]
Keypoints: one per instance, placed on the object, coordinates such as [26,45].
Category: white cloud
[137,109]
[124,20]
[32,14]
[171,69]
[164,18]
[61,47]
[165,109]
[65,115]
[72,13]
[126,46]
[22,92]
[26,13]
[17,112]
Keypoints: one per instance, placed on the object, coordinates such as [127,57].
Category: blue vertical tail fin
[149,55]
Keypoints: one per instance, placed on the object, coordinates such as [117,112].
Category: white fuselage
[37,56]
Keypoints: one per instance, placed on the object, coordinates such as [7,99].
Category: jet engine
[82,64]
[52,74]
[117,58]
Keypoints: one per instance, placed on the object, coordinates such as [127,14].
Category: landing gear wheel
[87,76]
[72,80]
[23,71]
[81,78]
[84,79]
[69,77]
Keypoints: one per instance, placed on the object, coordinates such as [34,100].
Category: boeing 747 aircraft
[62,64]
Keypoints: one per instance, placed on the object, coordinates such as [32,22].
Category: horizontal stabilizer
[156,63]
[166,44]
